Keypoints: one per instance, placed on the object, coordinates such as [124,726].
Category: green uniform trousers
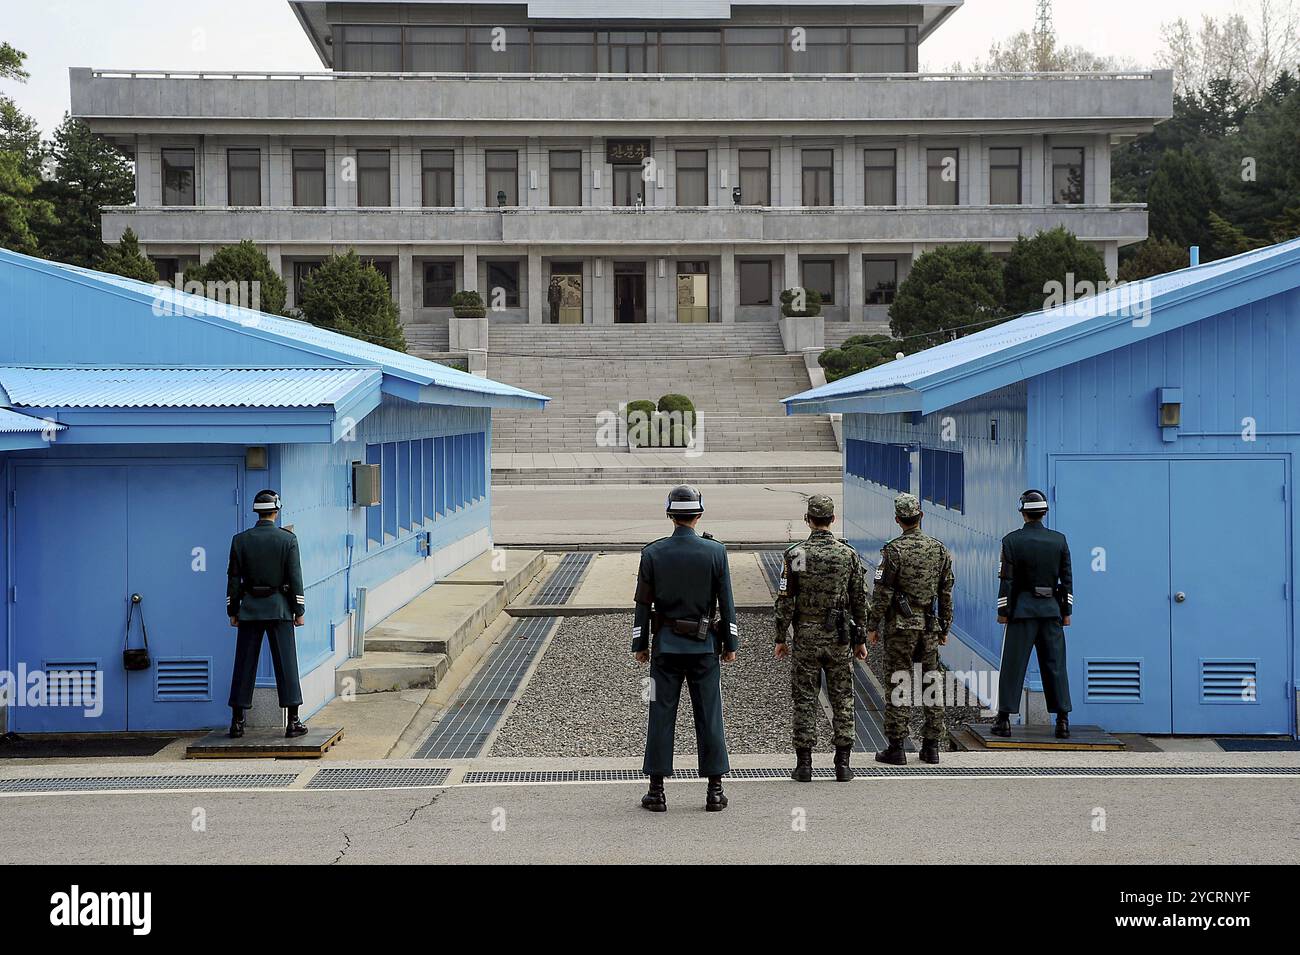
[703,673]
[903,648]
[1045,636]
[816,652]
[284,658]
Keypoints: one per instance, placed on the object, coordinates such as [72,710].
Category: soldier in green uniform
[681,581]
[1035,600]
[912,605]
[822,591]
[264,595]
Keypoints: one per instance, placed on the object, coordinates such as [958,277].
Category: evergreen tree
[951,291]
[1183,193]
[1154,257]
[1056,256]
[22,212]
[89,173]
[350,296]
[125,258]
[246,263]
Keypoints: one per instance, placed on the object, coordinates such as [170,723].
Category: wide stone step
[384,672]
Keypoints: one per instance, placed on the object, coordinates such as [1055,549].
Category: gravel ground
[953,716]
[585,697]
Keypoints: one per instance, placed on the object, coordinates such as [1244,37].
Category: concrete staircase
[426,338]
[414,647]
[838,332]
[653,340]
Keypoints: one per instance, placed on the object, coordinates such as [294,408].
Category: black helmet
[266,500]
[1033,503]
[685,501]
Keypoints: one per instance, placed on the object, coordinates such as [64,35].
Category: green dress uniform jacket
[264,556]
[681,580]
[1036,590]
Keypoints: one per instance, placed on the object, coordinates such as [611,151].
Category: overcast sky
[265,35]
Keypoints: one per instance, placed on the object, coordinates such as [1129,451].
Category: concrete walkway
[601,515]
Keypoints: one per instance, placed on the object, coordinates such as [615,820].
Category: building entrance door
[629,294]
[629,187]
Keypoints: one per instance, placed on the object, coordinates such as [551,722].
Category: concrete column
[727,286]
[1111,253]
[474,187]
[857,288]
[536,286]
[1099,190]
[914,172]
[405,279]
[977,191]
[791,278]
[786,188]
[469,280]
[665,289]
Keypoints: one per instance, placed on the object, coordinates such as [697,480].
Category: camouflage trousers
[816,652]
[903,650]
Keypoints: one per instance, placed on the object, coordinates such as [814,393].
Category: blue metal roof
[1042,341]
[185,387]
[14,422]
[407,376]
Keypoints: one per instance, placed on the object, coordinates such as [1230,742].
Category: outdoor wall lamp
[1171,413]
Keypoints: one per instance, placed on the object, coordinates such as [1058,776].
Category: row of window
[373,170]
[424,480]
[943,473]
[755,280]
[756,49]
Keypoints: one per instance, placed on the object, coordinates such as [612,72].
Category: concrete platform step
[385,671]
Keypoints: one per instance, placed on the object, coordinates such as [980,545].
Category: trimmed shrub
[812,303]
[858,354]
[466,304]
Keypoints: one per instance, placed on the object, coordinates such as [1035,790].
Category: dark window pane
[881,185]
[1067,176]
[942,176]
[301,270]
[439,284]
[755,50]
[503,276]
[692,52]
[818,177]
[309,177]
[755,283]
[564,52]
[373,177]
[243,177]
[372,49]
[438,178]
[826,52]
[692,177]
[755,177]
[566,178]
[436,49]
[819,276]
[500,52]
[502,177]
[1004,177]
[178,177]
[880,276]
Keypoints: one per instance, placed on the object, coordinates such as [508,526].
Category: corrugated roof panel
[14,422]
[1002,341]
[307,337]
[183,387]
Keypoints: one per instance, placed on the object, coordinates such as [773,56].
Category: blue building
[1162,419]
[137,423]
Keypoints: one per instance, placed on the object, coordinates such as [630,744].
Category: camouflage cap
[906,505]
[821,507]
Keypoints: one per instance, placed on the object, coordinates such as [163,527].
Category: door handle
[1180,597]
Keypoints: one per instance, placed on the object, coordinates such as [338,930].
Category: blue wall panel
[994,473]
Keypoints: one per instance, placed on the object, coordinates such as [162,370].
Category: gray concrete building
[602,163]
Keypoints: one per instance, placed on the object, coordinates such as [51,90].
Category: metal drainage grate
[564,580]
[632,775]
[772,562]
[94,784]
[385,778]
[466,728]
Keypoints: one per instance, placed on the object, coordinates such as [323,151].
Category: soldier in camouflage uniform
[912,605]
[822,587]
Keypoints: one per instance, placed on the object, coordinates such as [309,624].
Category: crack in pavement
[347,844]
[417,810]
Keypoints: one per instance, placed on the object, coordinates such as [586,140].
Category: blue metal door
[1116,516]
[182,518]
[69,595]
[1230,603]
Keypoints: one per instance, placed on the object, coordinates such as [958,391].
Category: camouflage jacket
[915,572]
[819,575]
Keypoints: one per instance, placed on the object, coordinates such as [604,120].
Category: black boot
[802,765]
[1003,725]
[236,723]
[655,800]
[296,727]
[895,755]
[930,751]
[716,800]
[843,771]
[1062,726]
